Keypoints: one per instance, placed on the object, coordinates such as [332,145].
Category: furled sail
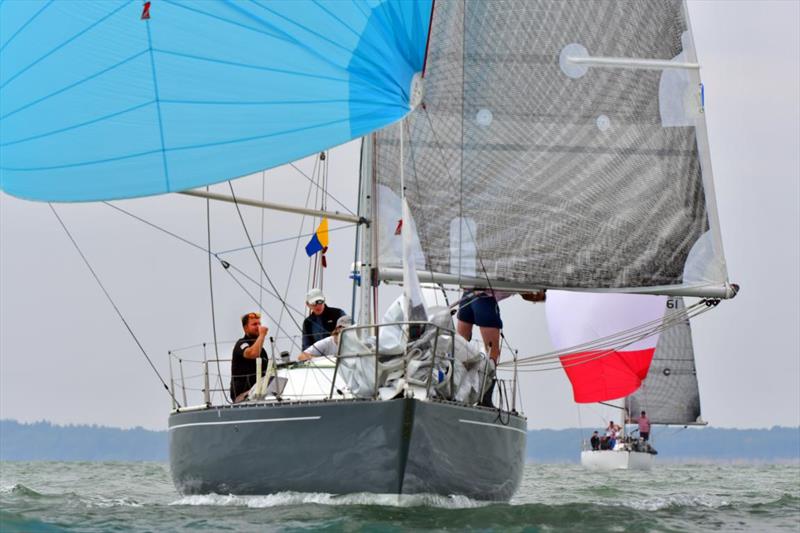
[109,99]
[669,393]
[530,169]
[602,371]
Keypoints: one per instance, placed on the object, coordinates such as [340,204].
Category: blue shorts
[481,310]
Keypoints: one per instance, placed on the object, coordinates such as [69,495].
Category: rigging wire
[356,277]
[159,228]
[324,191]
[461,195]
[292,338]
[114,305]
[260,264]
[669,320]
[205,250]
[252,280]
[197,246]
[211,292]
[416,182]
[311,273]
[297,246]
[325,156]
[580,426]
[553,361]
[261,250]
[284,239]
[225,264]
[626,338]
[227,267]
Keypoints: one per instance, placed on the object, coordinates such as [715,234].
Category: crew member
[245,352]
[329,345]
[644,427]
[320,323]
[480,307]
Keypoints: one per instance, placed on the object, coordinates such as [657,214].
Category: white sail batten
[630,62]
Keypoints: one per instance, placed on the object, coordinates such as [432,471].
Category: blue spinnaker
[116,99]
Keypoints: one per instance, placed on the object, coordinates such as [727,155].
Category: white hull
[616,460]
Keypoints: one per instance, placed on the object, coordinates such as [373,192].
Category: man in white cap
[322,320]
[329,345]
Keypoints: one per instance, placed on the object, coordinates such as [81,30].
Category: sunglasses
[317,302]
[248,316]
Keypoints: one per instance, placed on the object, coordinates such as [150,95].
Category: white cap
[314,295]
[344,321]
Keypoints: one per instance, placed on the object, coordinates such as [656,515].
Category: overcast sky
[66,357]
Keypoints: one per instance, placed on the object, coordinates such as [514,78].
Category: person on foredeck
[644,427]
[479,307]
[322,320]
[245,352]
[328,346]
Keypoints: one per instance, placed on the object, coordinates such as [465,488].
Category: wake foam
[657,503]
[95,501]
[18,489]
[282,499]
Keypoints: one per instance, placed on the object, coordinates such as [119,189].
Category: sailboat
[535,145]
[649,367]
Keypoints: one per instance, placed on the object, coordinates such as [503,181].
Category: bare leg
[491,339]
[464,329]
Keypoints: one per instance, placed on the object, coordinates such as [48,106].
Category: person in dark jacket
[320,323]
[245,352]
[595,440]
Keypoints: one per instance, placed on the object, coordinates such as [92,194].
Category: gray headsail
[531,168]
[669,393]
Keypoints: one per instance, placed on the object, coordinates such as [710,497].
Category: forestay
[109,99]
[531,170]
[669,393]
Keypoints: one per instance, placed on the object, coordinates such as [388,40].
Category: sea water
[114,496]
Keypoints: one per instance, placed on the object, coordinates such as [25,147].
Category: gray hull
[402,446]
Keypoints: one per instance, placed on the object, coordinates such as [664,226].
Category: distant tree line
[49,442]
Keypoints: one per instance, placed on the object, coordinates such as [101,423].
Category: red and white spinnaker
[602,371]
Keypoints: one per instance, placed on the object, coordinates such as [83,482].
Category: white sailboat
[536,144]
[651,368]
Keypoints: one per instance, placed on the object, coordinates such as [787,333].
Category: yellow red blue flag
[319,241]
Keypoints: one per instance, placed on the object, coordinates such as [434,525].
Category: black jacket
[317,327]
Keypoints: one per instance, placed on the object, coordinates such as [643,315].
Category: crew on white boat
[644,427]
[322,320]
[595,441]
[611,434]
[245,352]
[328,346]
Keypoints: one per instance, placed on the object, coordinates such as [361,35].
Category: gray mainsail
[526,168]
[669,393]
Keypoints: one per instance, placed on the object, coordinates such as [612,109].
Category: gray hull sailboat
[401,446]
[536,144]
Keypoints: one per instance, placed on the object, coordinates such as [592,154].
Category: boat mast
[369,247]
